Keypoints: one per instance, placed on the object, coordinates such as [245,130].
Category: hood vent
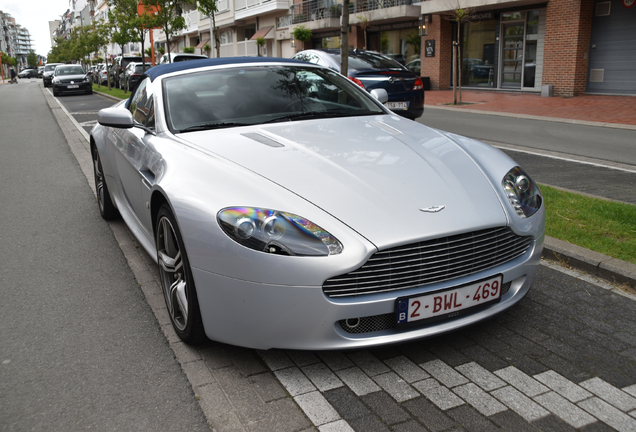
[263,139]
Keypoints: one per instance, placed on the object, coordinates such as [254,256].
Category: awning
[263,33]
[203,42]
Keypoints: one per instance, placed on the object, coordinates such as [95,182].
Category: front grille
[428,262]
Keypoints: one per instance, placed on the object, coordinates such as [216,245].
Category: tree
[32,59]
[344,38]
[302,34]
[209,8]
[364,23]
[138,25]
[458,15]
[260,41]
[168,17]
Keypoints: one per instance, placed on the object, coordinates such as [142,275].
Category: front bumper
[265,316]
[64,87]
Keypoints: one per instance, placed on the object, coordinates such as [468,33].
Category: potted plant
[188,50]
[302,33]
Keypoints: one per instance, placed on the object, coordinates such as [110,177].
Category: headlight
[277,232]
[86,79]
[522,192]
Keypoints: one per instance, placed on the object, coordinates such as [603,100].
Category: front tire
[107,209]
[177,282]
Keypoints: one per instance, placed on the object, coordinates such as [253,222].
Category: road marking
[564,157]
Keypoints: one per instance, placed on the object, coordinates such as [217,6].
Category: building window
[478,56]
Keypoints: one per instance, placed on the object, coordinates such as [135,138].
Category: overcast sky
[34,15]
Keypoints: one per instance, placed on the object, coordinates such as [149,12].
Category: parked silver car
[288,208]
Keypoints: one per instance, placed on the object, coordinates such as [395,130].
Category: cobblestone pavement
[563,359]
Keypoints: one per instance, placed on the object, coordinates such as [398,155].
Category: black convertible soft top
[163,69]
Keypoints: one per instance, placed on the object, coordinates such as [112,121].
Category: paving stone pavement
[563,359]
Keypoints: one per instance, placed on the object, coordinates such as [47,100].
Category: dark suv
[119,65]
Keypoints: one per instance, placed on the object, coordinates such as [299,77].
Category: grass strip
[112,92]
[603,226]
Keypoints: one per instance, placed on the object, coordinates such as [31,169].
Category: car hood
[67,78]
[390,179]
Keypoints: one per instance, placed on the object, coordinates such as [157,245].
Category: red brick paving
[605,109]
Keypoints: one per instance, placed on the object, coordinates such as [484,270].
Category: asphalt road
[599,161]
[601,143]
[80,347]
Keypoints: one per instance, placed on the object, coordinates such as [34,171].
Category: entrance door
[512,54]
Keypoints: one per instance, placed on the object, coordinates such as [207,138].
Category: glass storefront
[401,44]
[501,52]
[478,61]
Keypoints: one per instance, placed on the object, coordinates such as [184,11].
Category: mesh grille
[429,262]
[383,322]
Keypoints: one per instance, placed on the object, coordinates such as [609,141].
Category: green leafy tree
[209,8]
[138,25]
[32,59]
[122,22]
[168,17]
[260,41]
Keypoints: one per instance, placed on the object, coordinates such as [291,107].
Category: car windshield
[69,70]
[139,69]
[261,94]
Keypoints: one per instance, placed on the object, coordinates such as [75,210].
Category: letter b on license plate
[448,302]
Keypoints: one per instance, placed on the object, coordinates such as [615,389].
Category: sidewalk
[591,108]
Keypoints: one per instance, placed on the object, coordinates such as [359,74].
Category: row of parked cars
[370,70]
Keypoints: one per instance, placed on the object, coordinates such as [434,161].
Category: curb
[107,96]
[596,264]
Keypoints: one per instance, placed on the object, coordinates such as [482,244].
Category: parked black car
[47,75]
[372,70]
[119,65]
[71,79]
[132,74]
[28,73]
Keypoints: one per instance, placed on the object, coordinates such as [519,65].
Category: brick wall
[567,42]
[438,68]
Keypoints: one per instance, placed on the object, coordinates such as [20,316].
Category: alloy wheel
[172,273]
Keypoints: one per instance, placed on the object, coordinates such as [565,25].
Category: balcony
[326,13]
[251,8]
[191,21]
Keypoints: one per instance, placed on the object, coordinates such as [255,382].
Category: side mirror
[381,95]
[115,117]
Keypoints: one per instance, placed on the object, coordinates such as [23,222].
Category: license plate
[411,309]
[396,105]
[72,86]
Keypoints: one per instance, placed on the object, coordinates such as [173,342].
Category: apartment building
[15,40]
[559,47]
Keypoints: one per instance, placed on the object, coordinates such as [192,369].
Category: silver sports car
[288,208]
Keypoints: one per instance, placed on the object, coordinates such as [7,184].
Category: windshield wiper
[319,115]
[209,126]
